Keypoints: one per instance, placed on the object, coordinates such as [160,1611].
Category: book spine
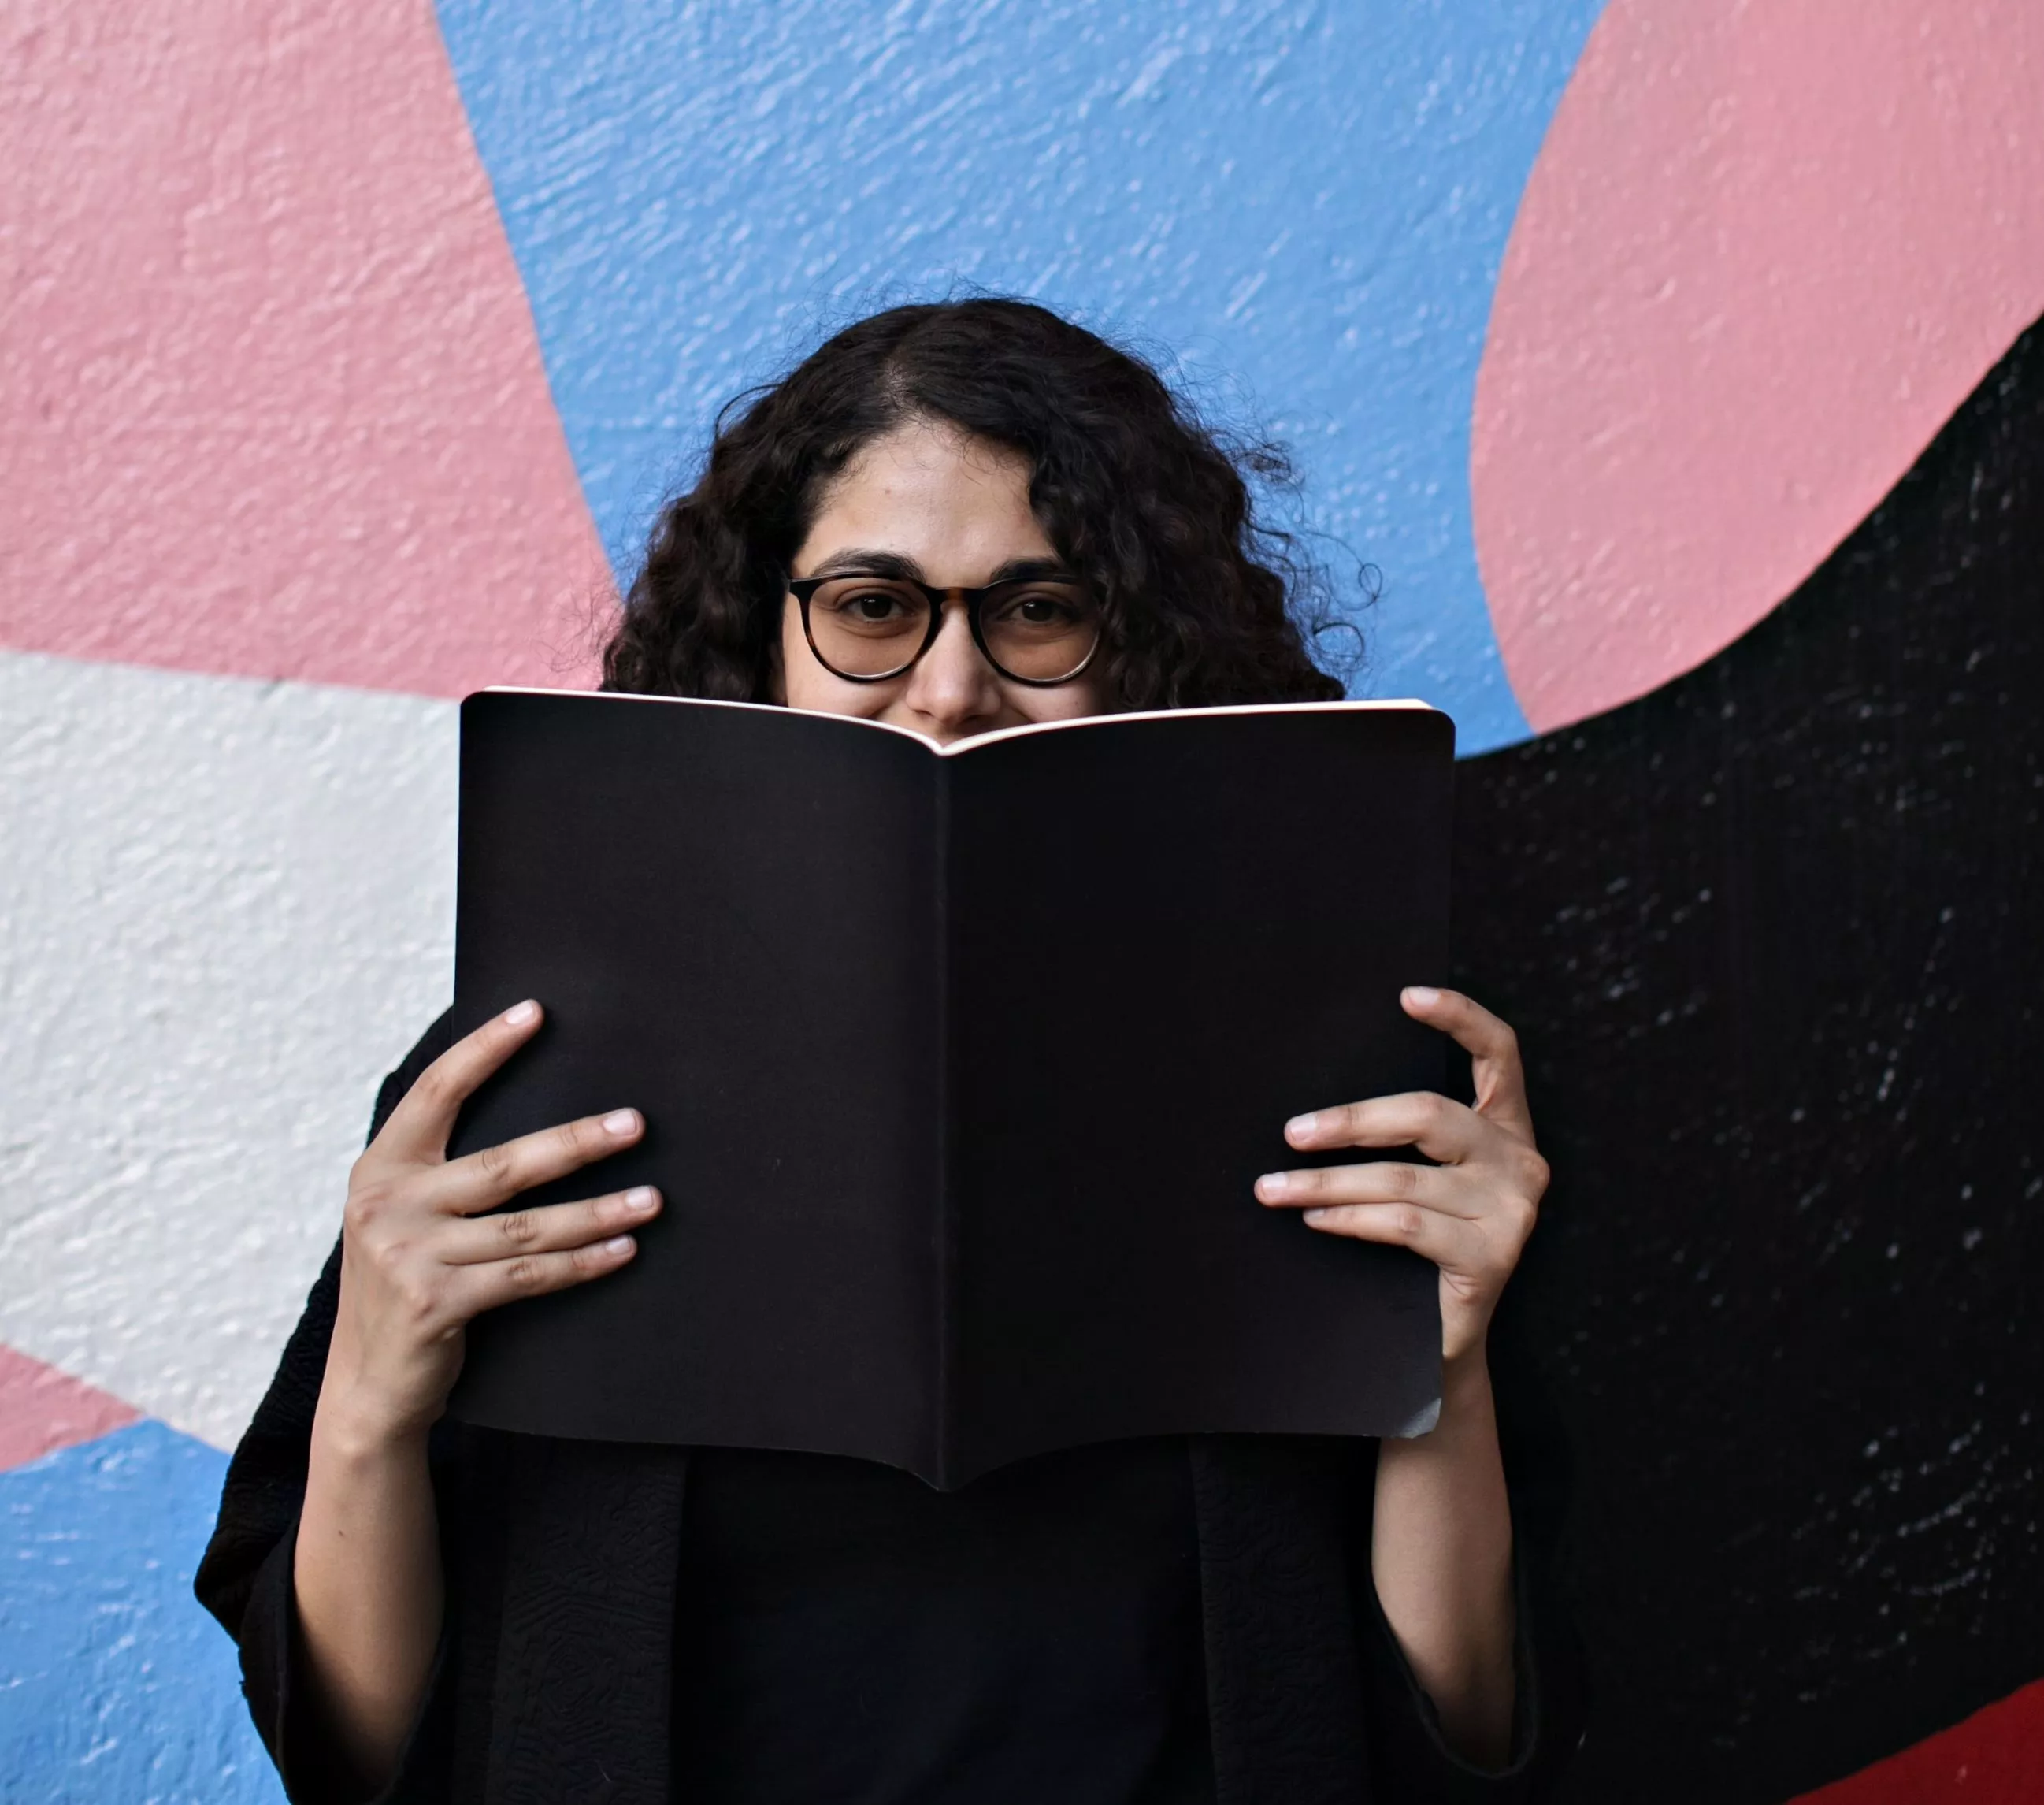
[944,1436]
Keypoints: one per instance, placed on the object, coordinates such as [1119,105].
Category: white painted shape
[226,909]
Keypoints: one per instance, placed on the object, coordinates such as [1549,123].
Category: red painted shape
[274,403]
[1765,252]
[42,1410]
[1994,1758]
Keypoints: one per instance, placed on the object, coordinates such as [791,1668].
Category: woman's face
[955,509]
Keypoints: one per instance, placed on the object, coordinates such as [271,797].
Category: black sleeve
[1410,1761]
[245,1577]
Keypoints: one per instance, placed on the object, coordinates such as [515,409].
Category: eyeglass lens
[1038,630]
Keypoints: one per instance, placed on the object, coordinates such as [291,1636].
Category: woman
[426,1610]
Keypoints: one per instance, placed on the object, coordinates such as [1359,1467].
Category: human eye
[1040,607]
[870,604]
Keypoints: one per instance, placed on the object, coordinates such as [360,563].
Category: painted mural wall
[1666,363]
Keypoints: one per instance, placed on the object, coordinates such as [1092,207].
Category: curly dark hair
[1201,601]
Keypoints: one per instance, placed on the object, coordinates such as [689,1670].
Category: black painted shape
[1771,937]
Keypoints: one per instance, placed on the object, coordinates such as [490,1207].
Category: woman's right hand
[416,1265]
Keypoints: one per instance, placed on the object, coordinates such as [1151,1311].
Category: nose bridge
[953,676]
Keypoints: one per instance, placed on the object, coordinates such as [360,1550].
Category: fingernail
[620,1122]
[1274,1184]
[1319,1215]
[518,1014]
[641,1198]
[1425,996]
[1302,1125]
[618,1244]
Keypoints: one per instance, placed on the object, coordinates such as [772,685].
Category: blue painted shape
[115,1688]
[1309,201]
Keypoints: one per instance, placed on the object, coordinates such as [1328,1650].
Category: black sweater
[554,1680]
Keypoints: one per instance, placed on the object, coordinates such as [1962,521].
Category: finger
[1439,1128]
[481,1181]
[1492,1048]
[418,1128]
[1447,1240]
[1389,1181]
[485,1286]
[552,1228]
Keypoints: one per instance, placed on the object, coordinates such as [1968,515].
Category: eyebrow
[855,561]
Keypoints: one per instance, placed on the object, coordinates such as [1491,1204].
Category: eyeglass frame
[803,587]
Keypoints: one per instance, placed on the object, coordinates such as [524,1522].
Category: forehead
[927,490]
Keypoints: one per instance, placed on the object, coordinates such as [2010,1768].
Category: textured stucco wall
[227,906]
[338,344]
[115,1688]
[273,402]
[1304,206]
[1766,253]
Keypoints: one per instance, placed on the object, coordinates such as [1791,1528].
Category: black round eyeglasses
[865,629]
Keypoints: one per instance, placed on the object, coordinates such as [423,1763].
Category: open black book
[958,1066]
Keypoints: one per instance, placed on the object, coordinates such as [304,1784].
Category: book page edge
[1384,706]
[1387,704]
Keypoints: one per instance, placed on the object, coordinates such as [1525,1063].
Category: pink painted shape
[42,1410]
[1765,253]
[274,404]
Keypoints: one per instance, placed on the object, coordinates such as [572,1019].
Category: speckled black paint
[1772,939]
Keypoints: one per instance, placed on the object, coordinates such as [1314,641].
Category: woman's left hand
[1471,1213]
